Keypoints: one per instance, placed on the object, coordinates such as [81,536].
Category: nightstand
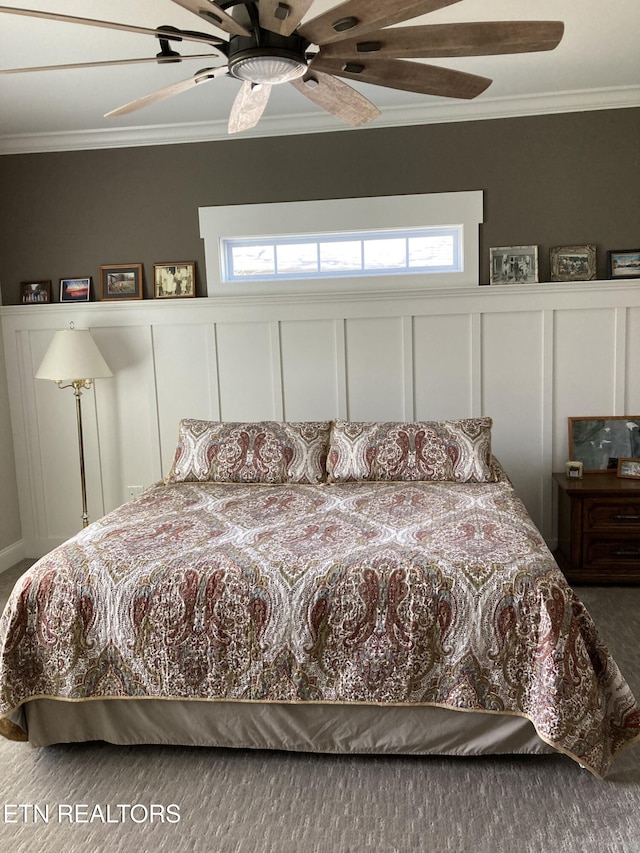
[599,528]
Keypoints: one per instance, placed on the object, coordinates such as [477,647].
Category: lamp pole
[78,385]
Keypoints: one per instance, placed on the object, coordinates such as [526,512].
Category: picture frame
[629,468]
[623,263]
[35,292]
[175,280]
[573,263]
[120,282]
[599,443]
[513,265]
[75,289]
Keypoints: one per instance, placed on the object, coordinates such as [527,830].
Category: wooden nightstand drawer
[602,514]
[614,551]
[599,528]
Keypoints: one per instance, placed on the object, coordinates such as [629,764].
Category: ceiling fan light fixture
[273,67]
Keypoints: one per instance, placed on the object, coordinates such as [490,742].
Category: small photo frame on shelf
[75,289]
[600,443]
[174,280]
[120,281]
[573,263]
[35,292]
[629,468]
[514,265]
[623,263]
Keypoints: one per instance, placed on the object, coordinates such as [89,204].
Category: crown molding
[289,125]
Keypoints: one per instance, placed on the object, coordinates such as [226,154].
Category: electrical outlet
[134,491]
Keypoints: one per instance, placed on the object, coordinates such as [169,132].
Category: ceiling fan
[267,43]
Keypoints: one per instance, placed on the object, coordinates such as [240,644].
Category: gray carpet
[256,802]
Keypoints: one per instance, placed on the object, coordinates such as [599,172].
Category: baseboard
[12,555]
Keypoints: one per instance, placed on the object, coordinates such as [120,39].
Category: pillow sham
[258,452]
[457,451]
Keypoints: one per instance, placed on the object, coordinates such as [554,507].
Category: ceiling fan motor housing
[267,57]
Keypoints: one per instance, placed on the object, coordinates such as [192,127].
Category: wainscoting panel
[512,393]
[632,372]
[585,366]
[527,355]
[311,366]
[374,365]
[127,412]
[186,378]
[245,367]
[442,347]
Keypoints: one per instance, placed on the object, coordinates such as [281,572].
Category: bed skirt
[323,728]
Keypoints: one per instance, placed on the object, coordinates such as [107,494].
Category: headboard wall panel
[527,355]
[311,360]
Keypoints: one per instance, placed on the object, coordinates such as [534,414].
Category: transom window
[376,252]
[343,246]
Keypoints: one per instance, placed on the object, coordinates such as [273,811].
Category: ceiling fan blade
[356,17]
[109,25]
[337,98]
[105,64]
[213,14]
[442,40]
[168,91]
[408,76]
[248,106]
[282,16]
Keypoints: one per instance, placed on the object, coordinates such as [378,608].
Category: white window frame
[339,216]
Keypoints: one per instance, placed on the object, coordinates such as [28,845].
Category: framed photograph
[629,469]
[174,281]
[514,265]
[599,443]
[624,263]
[75,289]
[573,263]
[121,281]
[35,292]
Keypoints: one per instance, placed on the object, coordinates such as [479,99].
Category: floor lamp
[73,353]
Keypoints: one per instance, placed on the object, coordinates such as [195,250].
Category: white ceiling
[596,65]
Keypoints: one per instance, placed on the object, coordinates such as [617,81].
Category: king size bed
[326,586]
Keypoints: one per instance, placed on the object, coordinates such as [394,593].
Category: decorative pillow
[458,451]
[261,452]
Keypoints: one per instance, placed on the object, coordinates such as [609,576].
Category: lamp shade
[73,355]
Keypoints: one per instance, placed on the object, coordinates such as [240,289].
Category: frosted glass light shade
[72,355]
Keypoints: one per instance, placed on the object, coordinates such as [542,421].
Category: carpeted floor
[257,802]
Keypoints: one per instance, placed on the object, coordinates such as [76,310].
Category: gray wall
[548,180]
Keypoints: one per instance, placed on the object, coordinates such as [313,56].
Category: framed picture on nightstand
[599,443]
[629,469]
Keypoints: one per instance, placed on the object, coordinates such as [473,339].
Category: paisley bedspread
[432,593]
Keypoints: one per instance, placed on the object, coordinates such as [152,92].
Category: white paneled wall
[529,356]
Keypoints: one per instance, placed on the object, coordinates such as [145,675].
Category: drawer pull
[622,517]
[623,553]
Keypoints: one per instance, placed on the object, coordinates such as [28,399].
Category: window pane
[297,257]
[253,260]
[341,256]
[435,251]
[397,252]
[385,254]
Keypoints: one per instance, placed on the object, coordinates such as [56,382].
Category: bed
[327,586]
